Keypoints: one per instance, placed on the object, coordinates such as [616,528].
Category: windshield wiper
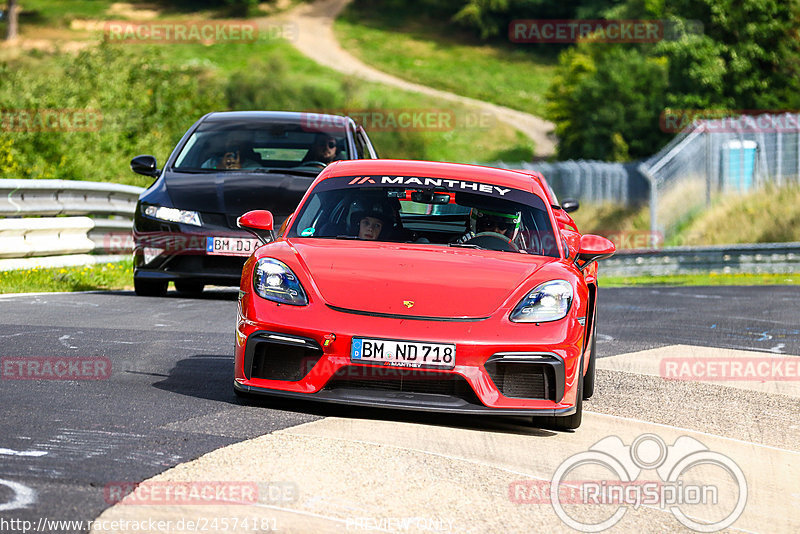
[347,237]
[279,170]
[195,170]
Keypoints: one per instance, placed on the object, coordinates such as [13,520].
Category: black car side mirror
[570,204]
[145,165]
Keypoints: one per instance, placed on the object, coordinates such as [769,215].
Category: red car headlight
[275,281]
[549,301]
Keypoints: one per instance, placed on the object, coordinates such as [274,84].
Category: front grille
[278,360]
[402,381]
[523,380]
[219,265]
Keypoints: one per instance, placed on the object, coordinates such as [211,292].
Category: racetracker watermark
[50,120]
[206,32]
[408,120]
[176,493]
[760,369]
[634,239]
[704,490]
[398,524]
[55,368]
[599,30]
[730,120]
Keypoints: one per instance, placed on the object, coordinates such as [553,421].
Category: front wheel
[150,288]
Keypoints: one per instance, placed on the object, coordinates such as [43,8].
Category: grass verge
[432,52]
[60,279]
[707,279]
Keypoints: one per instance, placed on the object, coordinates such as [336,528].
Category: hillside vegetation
[146,96]
[771,215]
[423,46]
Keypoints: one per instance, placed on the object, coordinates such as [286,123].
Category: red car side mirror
[257,222]
[593,248]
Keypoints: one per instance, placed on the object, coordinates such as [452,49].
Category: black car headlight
[275,281]
[172,214]
[549,301]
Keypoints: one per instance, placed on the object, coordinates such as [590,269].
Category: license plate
[230,246]
[403,353]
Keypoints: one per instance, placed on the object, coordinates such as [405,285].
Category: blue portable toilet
[738,165]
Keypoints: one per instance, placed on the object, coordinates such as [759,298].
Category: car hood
[235,193]
[414,280]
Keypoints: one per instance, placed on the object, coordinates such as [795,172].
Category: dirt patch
[134,11]
[275,7]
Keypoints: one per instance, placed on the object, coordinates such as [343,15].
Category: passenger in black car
[234,152]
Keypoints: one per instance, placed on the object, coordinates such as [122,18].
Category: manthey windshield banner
[451,185]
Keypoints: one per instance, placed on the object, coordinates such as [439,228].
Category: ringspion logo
[705,491]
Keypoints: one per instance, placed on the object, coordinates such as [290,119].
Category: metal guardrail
[19,198]
[61,221]
[30,235]
[774,258]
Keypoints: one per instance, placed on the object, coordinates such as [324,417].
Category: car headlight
[172,215]
[274,280]
[549,301]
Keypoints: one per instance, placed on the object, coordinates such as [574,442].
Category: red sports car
[422,286]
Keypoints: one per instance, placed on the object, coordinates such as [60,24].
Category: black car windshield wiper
[280,170]
[194,170]
[347,237]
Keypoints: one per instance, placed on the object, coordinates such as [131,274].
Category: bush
[143,106]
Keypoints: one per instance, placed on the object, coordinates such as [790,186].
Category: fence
[728,155]
[595,182]
[60,222]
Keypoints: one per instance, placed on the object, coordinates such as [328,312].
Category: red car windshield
[428,211]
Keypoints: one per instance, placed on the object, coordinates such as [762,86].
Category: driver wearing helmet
[371,222]
[483,221]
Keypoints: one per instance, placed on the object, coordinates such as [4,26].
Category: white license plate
[230,246]
[403,353]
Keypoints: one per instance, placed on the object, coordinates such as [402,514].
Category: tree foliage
[607,98]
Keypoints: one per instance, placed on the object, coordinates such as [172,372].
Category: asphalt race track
[168,400]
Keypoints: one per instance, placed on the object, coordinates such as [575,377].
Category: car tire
[589,379]
[150,288]
[568,422]
[189,288]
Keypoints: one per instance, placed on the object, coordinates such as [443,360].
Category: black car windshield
[455,213]
[256,145]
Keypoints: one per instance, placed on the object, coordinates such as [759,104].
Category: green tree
[606,102]
[606,99]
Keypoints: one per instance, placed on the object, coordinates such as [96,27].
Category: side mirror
[570,204]
[259,223]
[593,248]
[145,165]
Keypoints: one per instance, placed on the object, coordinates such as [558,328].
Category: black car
[229,163]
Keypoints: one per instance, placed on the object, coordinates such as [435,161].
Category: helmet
[486,221]
[378,210]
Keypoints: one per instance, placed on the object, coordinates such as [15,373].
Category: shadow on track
[209,376]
